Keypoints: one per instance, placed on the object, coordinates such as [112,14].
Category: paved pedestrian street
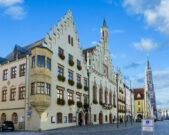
[161,128]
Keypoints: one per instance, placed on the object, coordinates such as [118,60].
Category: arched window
[14,118]
[110,98]
[70,117]
[95,92]
[106,96]
[3,117]
[103,34]
[72,41]
[114,99]
[59,117]
[101,94]
[69,39]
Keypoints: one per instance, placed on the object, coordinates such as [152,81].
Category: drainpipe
[88,74]
[26,91]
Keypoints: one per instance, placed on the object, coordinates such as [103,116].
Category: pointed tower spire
[148,63]
[104,23]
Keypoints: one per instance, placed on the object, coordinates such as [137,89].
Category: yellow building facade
[140,104]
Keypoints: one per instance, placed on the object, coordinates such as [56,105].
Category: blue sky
[137,29]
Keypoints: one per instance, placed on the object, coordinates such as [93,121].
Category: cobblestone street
[161,128]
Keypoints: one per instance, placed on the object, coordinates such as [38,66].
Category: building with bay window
[53,83]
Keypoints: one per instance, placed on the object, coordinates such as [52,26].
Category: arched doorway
[86,119]
[110,118]
[80,118]
[3,117]
[139,116]
[114,119]
[100,118]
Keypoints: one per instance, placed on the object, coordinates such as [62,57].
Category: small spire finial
[148,63]
[104,23]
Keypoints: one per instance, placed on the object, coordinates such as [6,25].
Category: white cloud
[10,2]
[13,8]
[16,12]
[145,45]
[93,42]
[109,1]
[155,12]
[113,56]
[116,31]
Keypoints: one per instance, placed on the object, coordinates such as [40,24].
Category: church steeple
[104,31]
[148,63]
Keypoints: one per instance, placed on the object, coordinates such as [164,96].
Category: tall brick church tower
[149,86]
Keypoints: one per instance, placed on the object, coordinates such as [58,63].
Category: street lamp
[131,103]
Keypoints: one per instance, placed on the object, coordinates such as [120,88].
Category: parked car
[7,125]
[138,120]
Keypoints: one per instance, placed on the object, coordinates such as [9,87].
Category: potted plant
[71,62]
[79,85]
[85,88]
[86,105]
[60,101]
[62,56]
[101,102]
[61,78]
[79,67]
[71,82]
[95,101]
[79,104]
[70,102]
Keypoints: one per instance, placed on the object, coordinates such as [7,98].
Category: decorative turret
[104,31]
[104,34]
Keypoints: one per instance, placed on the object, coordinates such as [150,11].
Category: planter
[71,82]
[86,88]
[71,102]
[79,85]
[86,105]
[79,67]
[101,103]
[62,56]
[95,102]
[71,62]
[60,101]
[61,78]
[79,104]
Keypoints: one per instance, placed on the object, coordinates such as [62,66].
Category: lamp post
[131,104]
[125,104]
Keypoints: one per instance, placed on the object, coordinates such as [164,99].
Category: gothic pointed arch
[101,94]
[95,91]
[105,95]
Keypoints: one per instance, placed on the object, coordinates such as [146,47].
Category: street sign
[148,125]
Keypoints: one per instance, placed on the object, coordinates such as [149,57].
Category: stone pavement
[161,128]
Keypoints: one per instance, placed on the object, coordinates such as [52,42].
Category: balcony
[40,102]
